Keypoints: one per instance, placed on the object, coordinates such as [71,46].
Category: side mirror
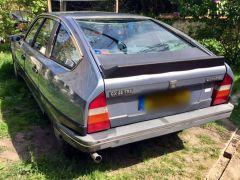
[16,38]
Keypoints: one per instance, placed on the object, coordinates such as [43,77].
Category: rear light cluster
[98,118]
[222,91]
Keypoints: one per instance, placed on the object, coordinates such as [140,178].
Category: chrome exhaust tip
[96,157]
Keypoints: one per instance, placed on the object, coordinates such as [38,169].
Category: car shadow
[34,142]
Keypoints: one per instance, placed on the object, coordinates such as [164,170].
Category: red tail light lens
[98,118]
[222,91]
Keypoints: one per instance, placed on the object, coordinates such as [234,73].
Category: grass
[17,105]
[205,139]
[218,126]
[160,158]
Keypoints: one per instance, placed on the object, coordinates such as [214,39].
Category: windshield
[128,36]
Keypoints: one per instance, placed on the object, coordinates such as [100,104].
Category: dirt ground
[39,141]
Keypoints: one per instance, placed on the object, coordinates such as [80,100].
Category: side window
[30,36]
[65,51]
[44,36]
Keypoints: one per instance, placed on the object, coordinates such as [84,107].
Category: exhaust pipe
[96,157]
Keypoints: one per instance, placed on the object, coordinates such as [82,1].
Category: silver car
[107,79]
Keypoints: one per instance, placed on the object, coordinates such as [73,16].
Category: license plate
[164,100]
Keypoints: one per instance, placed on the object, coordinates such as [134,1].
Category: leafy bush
[221,32]
[213,45]
[4,48]
[199,8]
[189,27]
[7,23]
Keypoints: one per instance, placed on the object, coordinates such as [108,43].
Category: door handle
[34,69]
[23,56]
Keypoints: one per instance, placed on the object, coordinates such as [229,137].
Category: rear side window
[44,36]
[30,36]
[65,51]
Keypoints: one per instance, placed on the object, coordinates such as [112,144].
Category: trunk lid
[128,78]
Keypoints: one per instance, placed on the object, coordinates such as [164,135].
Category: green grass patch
[205,139]
[19,110]
[3,129]
[218,126]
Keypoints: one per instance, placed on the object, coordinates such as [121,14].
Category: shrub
[4,48]
[222,26]
[213,45]
[7,23]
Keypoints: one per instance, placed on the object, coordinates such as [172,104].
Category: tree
[6,7]
[222,21]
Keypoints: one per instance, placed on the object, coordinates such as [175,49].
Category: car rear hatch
[142,87]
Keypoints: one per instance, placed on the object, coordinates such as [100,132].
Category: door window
[31,34]
[65,51]
[44,36]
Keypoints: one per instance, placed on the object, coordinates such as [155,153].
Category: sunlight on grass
[3,129]
[18,110]
[218,126]
[205,139]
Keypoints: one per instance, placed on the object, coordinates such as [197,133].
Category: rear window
[128,36]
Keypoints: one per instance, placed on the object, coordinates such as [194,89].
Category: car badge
[173,84]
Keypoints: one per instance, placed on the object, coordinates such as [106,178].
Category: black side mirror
[16,38]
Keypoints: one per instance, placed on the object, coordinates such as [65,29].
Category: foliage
[201,8]
[147,7]
[222,27]
[7,23]
[4,48]
[194,8]
[213,45]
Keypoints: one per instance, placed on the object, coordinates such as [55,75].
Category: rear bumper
[144,130]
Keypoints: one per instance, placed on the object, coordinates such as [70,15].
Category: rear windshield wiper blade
[121,45]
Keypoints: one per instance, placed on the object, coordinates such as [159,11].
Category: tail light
[98,118]
[222,91]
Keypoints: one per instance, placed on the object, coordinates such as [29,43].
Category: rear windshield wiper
[121,45]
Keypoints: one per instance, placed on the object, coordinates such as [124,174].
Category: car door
[60,100]
[23,46]
[38,51]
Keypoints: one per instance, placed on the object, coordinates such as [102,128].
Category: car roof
[95,14]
